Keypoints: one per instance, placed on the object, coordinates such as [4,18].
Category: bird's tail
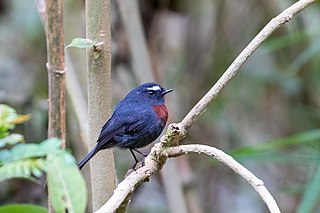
[88,157]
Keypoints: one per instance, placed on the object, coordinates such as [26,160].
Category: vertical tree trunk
[99,98]
[56,72]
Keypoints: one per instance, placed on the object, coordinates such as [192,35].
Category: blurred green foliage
[66,186]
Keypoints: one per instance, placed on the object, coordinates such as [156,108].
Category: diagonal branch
[175,132]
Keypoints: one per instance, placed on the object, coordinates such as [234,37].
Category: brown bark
[56,70]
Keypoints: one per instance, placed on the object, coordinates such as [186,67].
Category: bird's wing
[116,126]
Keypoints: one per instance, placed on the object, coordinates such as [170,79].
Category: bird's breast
[161,111]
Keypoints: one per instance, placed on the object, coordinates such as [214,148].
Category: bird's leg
[141,153]
[135,158]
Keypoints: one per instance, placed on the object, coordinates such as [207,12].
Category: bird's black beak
[166,91]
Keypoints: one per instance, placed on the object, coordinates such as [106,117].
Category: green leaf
[25,151]
[66,186]
[82,43]
[23,208]
[311,195]
[11,140]
[26,168]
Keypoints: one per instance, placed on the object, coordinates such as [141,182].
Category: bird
[136,121]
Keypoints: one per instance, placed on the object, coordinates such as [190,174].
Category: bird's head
[150,93]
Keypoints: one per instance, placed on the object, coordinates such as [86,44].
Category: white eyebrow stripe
[154,88]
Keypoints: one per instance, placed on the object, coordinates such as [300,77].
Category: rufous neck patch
[161,111]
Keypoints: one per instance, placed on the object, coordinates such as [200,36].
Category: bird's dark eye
[151,93]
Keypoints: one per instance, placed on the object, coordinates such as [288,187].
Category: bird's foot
[138,165]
